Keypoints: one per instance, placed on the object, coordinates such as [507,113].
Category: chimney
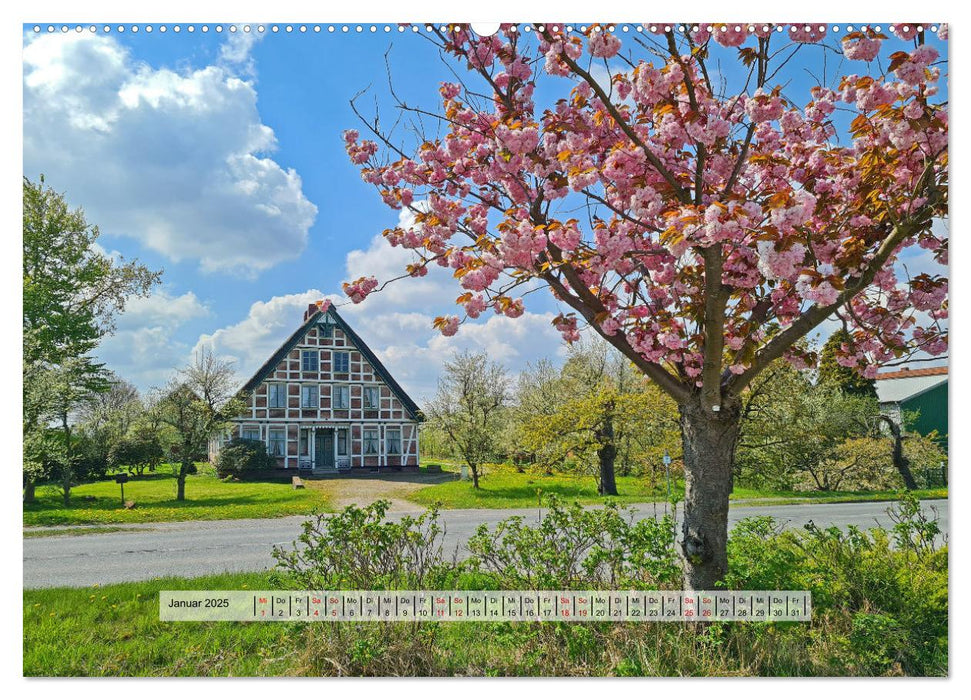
[311,310]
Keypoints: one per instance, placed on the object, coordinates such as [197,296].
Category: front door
[324,449]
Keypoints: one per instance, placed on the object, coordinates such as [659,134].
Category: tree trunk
[708,439]
[900,462]
[67,473]
[183,473]
[475,476]
[607,455]
[30,491]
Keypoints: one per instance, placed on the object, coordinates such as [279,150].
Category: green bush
[880,597]
[883,593]
[239,457]
[577,547]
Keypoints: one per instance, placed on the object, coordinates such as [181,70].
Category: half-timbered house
[323,402]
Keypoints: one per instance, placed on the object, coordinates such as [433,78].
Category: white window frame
[368,391]
[304,388]
[345,391]
[342,442]
[271,441]
[388,441]
[347,365]
[282,400]
[372,442]
[304,354]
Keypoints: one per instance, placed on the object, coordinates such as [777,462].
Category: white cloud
[396,323]
[176,159]
[142,349]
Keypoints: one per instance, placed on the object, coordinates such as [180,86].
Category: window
[342,362]
[250,433]
[326,330]
[370,442]
[392,441]
[310,396]
[311,361]
[304,443]
[371,396]
[342,443]
[277,395]
[277,446]
[342,397]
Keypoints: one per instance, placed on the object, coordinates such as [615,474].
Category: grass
[79,530]
[115,631]
[513,490]
[508,489]
[207,498]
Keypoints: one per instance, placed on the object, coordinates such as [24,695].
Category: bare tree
[197,403]
[468,407]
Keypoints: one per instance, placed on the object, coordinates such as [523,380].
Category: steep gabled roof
[263,372]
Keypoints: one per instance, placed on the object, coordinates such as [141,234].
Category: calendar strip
[485,606]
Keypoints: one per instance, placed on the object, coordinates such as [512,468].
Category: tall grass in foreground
[880,605]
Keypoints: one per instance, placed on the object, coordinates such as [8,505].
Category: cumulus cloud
[142,349]
[179,160]
[396,324]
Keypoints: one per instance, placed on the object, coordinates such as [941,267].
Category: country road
[197,548]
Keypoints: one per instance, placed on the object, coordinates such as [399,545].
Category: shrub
[577,547]
[883,594]
[358,549]
[137,453]
[880,598]
[239,457]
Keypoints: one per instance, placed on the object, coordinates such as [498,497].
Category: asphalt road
[206,547]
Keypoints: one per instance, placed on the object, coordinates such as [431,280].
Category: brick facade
[324,403]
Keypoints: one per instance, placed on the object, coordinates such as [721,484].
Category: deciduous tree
[197,404]
[717,205]
[469,405]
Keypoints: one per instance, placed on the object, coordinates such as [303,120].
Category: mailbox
[122,478]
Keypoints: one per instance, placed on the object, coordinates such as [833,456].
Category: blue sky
[218,158]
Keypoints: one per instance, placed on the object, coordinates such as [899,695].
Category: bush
[880,598]
[239,457]
[137,453]
[358,549]
[577,547]
[883,594]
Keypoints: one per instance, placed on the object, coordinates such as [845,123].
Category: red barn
[324,403]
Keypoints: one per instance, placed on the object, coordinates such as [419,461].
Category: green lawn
[115,631]
[514,490]
[207,498]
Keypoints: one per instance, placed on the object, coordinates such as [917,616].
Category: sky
[217,157]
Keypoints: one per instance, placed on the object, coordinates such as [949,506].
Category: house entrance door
[324,449]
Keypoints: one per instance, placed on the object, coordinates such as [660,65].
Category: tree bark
[30,491]
[900,462]
[708,440]
[183,473]
[607,455]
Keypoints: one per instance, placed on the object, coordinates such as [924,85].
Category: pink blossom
[360,288]
[861,48]
[807,33]
[603,44]
[763,107]
[730,35]
[451,326]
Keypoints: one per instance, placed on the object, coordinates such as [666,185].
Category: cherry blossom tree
[685,199]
